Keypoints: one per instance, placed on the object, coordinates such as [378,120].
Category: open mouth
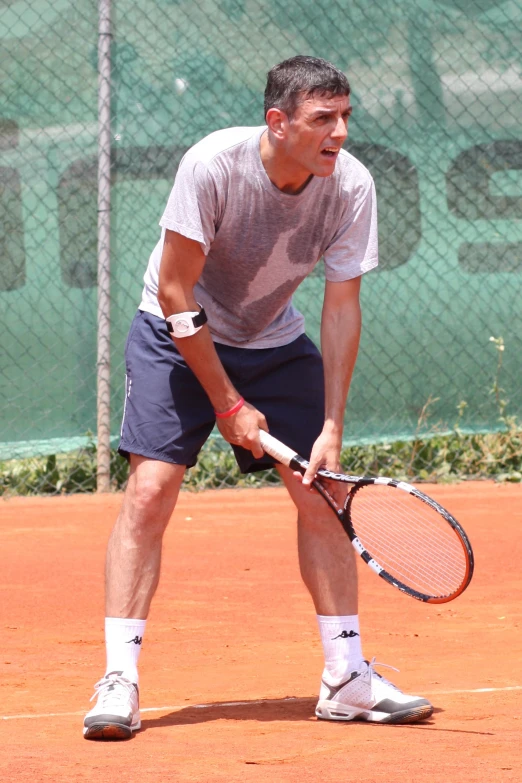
[330,152]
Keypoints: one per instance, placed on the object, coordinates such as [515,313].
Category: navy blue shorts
[168,416]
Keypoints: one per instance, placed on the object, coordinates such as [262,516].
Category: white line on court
[177,707]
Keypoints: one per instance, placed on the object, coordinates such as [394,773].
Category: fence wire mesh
[437,96]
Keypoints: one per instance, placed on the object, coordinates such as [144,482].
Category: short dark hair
[299,78]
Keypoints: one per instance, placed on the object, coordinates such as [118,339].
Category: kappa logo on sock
[136,640]
[345,635]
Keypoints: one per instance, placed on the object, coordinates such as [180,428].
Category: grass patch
[438,458]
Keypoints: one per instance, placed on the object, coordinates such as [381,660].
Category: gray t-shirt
[261,243]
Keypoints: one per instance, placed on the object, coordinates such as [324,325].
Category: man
[216,338]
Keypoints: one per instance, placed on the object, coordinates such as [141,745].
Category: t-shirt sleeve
[354,248]
[192,206]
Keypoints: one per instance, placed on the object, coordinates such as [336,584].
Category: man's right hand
[242,429]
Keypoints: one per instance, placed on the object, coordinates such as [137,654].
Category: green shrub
[438,458]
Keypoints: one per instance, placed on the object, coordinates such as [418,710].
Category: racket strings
[405,519]
[403,510]
[420,571]
[422,579]
[399,550]
[409,539]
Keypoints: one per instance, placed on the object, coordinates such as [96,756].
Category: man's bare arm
[340,335]
[182,263]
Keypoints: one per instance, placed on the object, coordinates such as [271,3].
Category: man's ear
[277,122]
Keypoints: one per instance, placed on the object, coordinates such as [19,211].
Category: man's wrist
[231,411]
[333,427]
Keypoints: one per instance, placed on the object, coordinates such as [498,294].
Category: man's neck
[286,177]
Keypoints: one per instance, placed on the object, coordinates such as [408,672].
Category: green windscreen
[437,97]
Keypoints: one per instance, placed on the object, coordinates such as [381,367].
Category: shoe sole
[331,710]
[103,730]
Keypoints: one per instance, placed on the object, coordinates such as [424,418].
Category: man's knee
[153,489]
[315,513]
[148,495]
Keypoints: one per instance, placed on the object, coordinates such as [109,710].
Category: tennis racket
[407,538]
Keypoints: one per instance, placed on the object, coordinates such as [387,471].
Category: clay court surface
[231,659]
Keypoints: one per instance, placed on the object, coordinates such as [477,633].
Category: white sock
[341,645]
[123,637]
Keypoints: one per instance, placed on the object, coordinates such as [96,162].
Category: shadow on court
[270,710]
[299,709]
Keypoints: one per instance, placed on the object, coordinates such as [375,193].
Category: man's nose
[341,131]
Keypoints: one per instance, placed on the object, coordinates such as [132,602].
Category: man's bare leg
[134,549]
[326,555]
[328,568]
[350,688]
[132,576]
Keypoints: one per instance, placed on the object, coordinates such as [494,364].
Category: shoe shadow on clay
[294,709]
[272,709]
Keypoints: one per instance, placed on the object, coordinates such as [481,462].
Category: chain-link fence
[437,96]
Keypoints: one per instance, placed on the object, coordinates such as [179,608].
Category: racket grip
[278,450]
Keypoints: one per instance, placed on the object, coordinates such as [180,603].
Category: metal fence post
[104,218]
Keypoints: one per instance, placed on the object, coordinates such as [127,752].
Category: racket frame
[344,516]
[294,461]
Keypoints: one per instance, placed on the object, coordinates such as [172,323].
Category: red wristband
[234,409]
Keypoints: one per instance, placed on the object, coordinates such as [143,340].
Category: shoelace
[371,667]
[114,689]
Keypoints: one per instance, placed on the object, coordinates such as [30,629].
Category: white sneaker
[366,695]
[117,711]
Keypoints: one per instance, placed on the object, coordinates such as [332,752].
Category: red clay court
[232,659]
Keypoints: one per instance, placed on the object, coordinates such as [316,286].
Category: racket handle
[280,452]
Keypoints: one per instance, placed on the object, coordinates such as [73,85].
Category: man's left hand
[326,453]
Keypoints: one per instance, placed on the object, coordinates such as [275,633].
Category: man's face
[316,133]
